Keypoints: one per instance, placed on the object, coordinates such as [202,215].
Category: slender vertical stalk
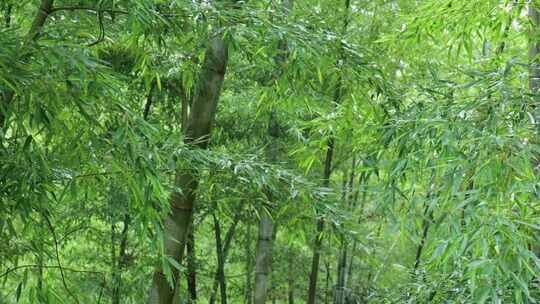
[362,178]
[57,256]
[338,288]
[115,297]
[377,236]
[339,296]
[229,235]
[7,15]
[185,111]
[220,261]
[534,50]
[118,243]
[122,252]
[149,100]
[426,223]
[327,291]
[320,228]
[40,272]
[290,276]
[534,69]
[248,293]
[186,101]
[468,193]
[350,265]
[317,244]
[348,197]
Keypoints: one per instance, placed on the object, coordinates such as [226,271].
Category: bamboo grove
[269,151]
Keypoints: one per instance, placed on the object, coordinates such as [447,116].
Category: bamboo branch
[48,267]
[57,254]
[86,8]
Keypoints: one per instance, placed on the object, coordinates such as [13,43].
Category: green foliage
[434,186]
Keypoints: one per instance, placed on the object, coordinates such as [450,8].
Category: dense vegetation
[306,151]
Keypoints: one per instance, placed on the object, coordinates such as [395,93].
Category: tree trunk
[42,14]
[263,257]
[265,240]
[197,134]
[191,277]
